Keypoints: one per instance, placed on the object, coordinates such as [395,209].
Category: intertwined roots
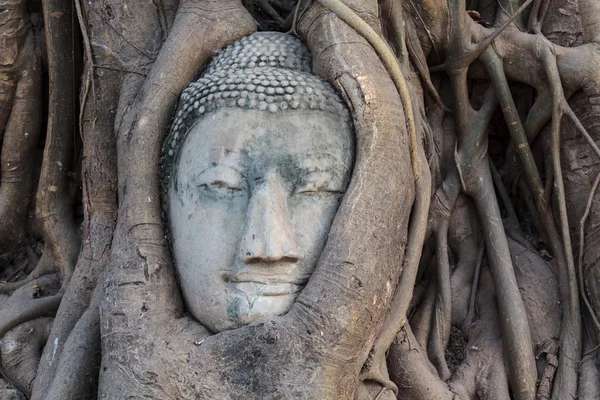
[476,200]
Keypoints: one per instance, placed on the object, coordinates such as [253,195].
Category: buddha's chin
[247,309]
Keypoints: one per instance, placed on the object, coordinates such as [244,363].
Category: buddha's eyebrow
[330,157]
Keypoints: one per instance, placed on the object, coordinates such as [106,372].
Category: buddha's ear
[348,294]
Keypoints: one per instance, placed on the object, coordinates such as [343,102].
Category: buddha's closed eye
[320,183]
[220,180]
[220,187]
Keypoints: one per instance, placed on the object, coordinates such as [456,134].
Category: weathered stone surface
[257,162]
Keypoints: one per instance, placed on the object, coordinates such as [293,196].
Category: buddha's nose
[268,234]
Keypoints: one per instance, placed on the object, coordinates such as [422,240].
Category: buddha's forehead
[241,137]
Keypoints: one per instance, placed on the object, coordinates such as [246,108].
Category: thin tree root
[89,80]
[567,375]
[374,374]
[442,314]
[536,17]
[473,295]
[421,320]
[464,53]
[479,185]
[28,309]
[582,222]
[415,52]
[382,392]
[391,15]
[45,266]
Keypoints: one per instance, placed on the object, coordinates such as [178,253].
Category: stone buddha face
[254,168]
[251,202]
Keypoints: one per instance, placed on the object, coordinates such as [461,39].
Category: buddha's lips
[267,289]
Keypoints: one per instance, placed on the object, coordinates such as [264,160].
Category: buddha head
[254,168]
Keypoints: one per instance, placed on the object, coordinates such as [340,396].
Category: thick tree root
[53,201]
[14,28]
[200,28]
[18,148]
[99,179]
[397,314]
[76,373]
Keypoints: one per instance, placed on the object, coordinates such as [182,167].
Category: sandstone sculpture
[258,159]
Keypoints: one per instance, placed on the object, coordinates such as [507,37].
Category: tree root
[53,202]
[473,295]
[463,52]
[391,63]
[567,375]
[21,348]
[139,254]
[266,7]
[570,345]
[590,371]
[442,314]
[422,318]
[483,373]
[582,222]
[402,34]
[477,178]
[415,376]
[12,35]
[43,267]
[536,17]
[18,147]
[547,378]
[25,304]
[76,373]
[465,243]
[397,316]
[141,129]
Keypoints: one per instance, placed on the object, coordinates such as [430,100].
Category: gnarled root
[38,299]
[414,375]
[483,373]
[20,350]
[44,266]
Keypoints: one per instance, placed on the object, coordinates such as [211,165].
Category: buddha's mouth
[267,289]
[252,286]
